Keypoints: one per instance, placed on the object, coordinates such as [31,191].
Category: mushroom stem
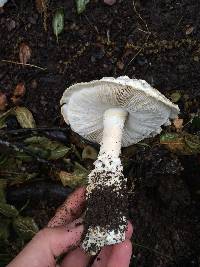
[114,120]
[107,188]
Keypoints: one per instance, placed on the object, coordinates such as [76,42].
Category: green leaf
[4,228]
[58,22]
[25,227]
[25,117]
[38,151]
[193,142]
[89,153]
[21,178]
[182,143]
[5,258]
[54,150]
[8,210]
[3,159]
[23,156]
[3,184]
[81,5]
[168,137]
[76,178]
[175,97]
[4,116]
[196,123]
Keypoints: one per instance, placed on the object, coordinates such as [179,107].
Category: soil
[158,41]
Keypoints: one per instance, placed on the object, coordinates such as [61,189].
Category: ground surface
[158,41]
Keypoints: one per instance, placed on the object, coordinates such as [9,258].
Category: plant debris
[25,117]
[58,22]
[24,53]
[18,93]
[81,5]
[42,8]
[3,101]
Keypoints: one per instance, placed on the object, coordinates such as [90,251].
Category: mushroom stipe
[106,214]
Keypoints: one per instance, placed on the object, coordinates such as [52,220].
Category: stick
[19,63]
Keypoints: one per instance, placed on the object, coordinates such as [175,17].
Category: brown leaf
[178,123]
[24,53]
[40,5]
[19,92]
[3,101]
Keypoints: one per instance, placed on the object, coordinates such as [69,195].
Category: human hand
[63,235]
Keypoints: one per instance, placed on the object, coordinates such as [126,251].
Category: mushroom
[2,2]
[114,113]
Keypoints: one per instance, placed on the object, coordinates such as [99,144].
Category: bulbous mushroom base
[106,214]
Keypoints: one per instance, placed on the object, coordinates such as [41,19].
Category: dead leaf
[40,5]
[178,123]
[175,97]
[3,101]
[89,153]
[71,179]
[25,117]
[182,143]
[24,53]
[19,92]
[173,141]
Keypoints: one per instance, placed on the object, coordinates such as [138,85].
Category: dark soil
[158,41]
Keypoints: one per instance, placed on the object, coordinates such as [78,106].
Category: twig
[146,39]
[19,63]
[25,130]
[92,25]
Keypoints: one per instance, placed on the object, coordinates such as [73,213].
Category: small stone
[11,24]
[110,2]
[33,84]
[120,65]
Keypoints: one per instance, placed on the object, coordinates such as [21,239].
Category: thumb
[47,245]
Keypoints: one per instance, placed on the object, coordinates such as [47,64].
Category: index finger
[70,210]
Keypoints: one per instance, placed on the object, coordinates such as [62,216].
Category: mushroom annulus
[114,113]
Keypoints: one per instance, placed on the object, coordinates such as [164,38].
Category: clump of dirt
[105,208]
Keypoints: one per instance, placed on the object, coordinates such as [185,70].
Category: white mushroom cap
[2,2]
[84,105]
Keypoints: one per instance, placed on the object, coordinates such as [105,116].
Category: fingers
[76,258]
[61,239]
[70,209]
[129,230]
[75,223]
[47,245]
[103,257]
[121,254]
